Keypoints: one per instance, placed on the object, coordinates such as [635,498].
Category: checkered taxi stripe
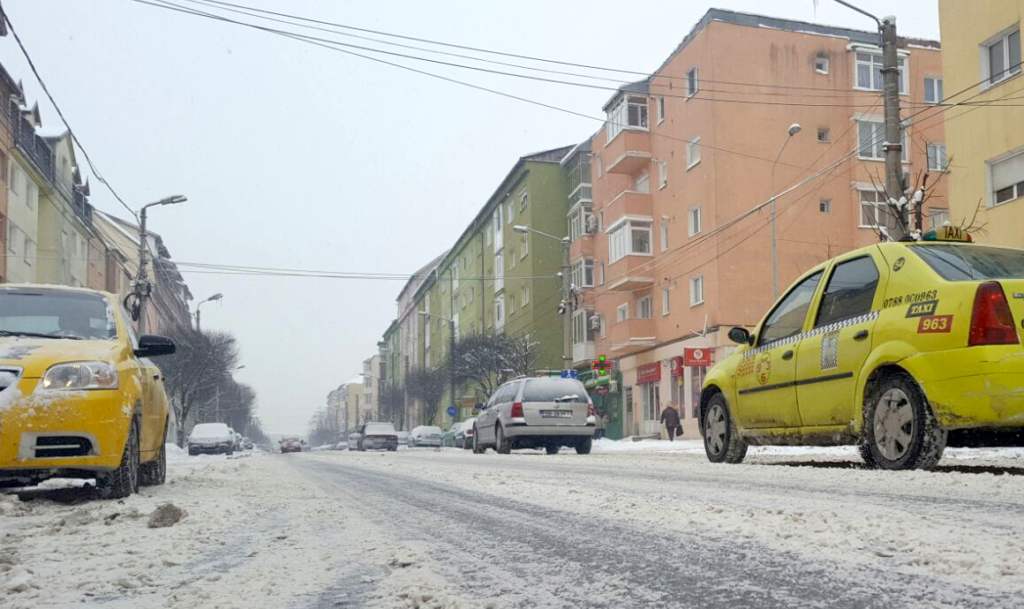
[839,325]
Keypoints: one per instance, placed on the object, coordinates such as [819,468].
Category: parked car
[425,435]
[238,440]
[464,437]
[378,436]
[211,438]
[247,444]
[353,440]
[448,438]
[74,351]
[536,413]
[890,347]
[291,445]
[403,438]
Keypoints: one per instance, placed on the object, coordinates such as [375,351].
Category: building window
[821,64]
[579,327]
[871,140]
[651,393]
[512,258]
[695,220]
[628,238]
[622,312]
[600,273]
[664,236]
[487,235]
[472,293]
[604,328]
[524,198]
[696,290]
[15,179]
[937,217]
[582,274]
[933,90]
[512,305]
[692,81]
[642,183]
[600,167]
[824,135]
[937,157]
[499,272]
[665,301]
[629,112]
[692,152]
[525,299]
[1007,179]
[510,212]
[662,175]
[645,308]
[578,219]
[825,206]
[499,311]
[498,234]
[661,109]
[869,71]
[1001,58]
[526,247]
[874,211]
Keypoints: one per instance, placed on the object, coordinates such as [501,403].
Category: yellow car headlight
[80,375]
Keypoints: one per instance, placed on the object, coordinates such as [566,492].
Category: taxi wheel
[722,443]
[124,480]
[899,427]
[154,473]
[478,448]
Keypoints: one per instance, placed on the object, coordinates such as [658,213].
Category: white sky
[300,157]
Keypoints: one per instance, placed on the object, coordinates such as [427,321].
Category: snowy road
[612,529]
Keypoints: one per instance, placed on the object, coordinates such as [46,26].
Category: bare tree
[428,386]
[392,404]
[486,361]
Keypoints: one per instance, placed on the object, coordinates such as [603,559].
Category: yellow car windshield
[55,314]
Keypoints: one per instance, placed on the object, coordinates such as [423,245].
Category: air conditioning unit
[595,322]
[591,224]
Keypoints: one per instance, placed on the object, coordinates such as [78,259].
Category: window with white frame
[868,66]
[472,293]
[525,298]
[581,330]
[600,273]
[937,216]
[825,206]
[600,167]
[526,246]
[499,311]
[512,258]
[692,152]
[692,81]
[628,112]
[696,290]
[578,221]
[604,328]
[661,109]
[510,212]
[642,183]
[582,274]
[664,236]
[937,157]
[821,64]
[665,297]
[933,93]
[16,178]
[1001,57]
[498,232]
[695,220]
[824,135]
[488,235]
[874,211]
[622,312]
[871,139]
[629,238]
[662,174]
[524,198]
[512,305]
[1007,177]
[645,308]
[499,271]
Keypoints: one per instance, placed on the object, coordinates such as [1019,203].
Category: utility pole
[568,307]
[143,288]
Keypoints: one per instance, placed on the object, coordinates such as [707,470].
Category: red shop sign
[648,373]
[676,366]
[697,356]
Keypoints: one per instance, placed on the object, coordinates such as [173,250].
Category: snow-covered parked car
[464,436]
[425,435]
[403,438]
[214,438]
[353,440]
[448,438]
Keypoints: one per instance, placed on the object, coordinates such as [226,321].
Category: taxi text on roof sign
[949,233]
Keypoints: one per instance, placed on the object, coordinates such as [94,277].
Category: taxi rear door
[833,352]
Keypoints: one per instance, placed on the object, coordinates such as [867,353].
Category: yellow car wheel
[900,429]
[722,441]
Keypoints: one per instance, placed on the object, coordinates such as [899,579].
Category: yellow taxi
[78,395]
[889,347]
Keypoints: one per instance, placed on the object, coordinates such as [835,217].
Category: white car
[464,436]
[544,413]
[403,438]
[211,438]
[353,440]
[425,435]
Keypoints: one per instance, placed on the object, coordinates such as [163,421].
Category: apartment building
[65,221]
[670,245]
[982,68]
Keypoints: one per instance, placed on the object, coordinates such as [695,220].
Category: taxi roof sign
[949,233]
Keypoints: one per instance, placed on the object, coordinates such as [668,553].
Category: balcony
[583,353]
[582,248]
[629,152]
[33,147]
[628,203]
[632,334]
[630,274]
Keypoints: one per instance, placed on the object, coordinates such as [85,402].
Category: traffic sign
[452,411]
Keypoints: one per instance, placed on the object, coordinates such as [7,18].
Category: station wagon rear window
[554,390]
[972,263]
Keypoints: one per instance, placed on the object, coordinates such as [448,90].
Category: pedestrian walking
[670,417]
[602,424]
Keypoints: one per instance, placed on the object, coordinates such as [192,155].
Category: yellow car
[889,347]
[78,396]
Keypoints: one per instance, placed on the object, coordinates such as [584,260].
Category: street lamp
[451,348]
[566,308]
[793,130]
[142,283]
[216,296]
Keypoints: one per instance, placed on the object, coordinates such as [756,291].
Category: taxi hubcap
[894,424]
[716,428]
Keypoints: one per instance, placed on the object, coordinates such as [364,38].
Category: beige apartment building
[667,253]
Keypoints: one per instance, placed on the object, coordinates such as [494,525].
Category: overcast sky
[300,157]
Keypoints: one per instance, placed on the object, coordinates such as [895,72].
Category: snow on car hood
[35,355]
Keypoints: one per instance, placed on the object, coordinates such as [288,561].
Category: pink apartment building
[666,258]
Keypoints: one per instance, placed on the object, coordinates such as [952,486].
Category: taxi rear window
[972,263]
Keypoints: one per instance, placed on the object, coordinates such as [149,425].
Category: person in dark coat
[670,417]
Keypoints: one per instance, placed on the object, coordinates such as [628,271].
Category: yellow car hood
[35,355]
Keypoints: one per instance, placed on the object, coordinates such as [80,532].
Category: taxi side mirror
[151,345]
[740,336]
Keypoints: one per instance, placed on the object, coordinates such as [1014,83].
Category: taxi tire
[124,480]
[734,449]
[928,441]
[154,473]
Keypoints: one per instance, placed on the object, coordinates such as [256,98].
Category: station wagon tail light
[992,321]
[469,431]
[590,411]
[517,410]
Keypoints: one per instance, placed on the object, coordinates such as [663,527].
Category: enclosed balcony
[629,152]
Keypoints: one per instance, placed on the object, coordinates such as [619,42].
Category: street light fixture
[793,130]
[216,296]
[566,307]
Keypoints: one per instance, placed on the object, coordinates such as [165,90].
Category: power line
[53,102]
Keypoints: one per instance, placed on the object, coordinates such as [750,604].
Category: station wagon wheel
[722,442]
[501,444]
[478,448]
[900,430]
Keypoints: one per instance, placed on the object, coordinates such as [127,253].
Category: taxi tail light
[991,320]
[517,410]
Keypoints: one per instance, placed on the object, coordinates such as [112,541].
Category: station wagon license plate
[556,414]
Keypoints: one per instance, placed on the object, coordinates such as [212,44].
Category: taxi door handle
[860,335]
[788,355]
